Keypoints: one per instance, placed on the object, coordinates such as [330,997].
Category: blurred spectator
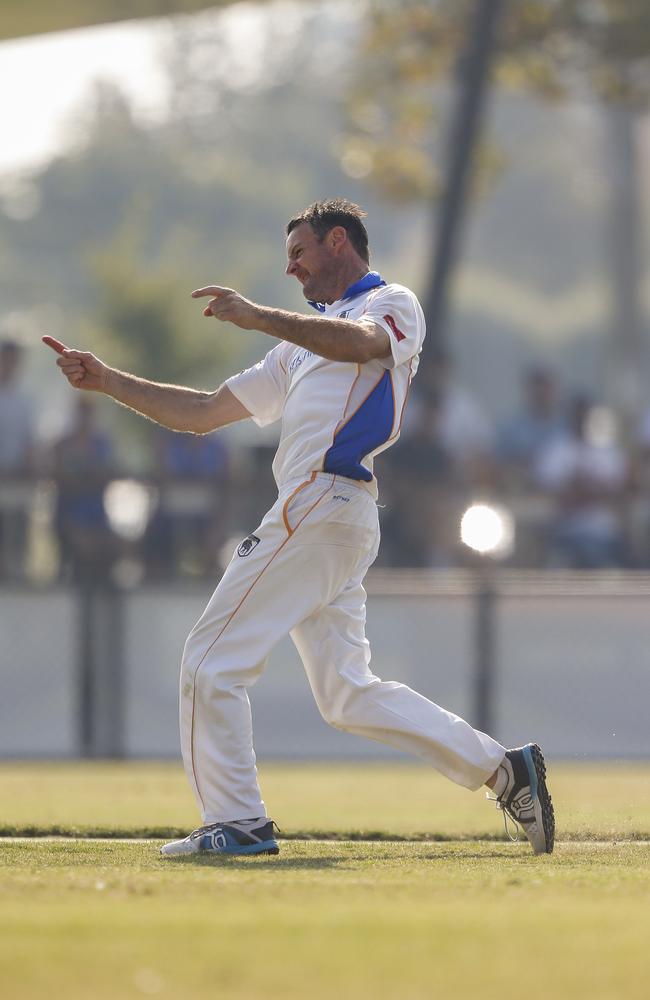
[419,493]
[643,433]
[188,527]
[464,430]
[524,436]
[83,464]
[16,414]
[16,459]
[640,521]
[586,472]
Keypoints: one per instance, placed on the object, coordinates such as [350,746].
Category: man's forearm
[173,406]
[334,339]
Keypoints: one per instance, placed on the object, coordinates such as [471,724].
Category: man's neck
[346,279]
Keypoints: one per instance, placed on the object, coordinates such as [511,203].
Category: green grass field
[463,914]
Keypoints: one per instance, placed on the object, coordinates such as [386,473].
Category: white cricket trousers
[300,573]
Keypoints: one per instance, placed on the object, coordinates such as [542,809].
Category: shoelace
[195,834]
[506,817]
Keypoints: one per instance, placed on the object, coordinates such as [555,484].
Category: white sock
[502,780]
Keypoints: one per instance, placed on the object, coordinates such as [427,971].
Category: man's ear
[337,237]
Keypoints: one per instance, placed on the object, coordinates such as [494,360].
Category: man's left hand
[228,305]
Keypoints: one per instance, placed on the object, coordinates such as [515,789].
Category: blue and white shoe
[249,836]
[525,797]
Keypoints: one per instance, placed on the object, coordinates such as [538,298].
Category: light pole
[488,531]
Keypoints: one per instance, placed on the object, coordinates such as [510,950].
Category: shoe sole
[266,847]
[544,812]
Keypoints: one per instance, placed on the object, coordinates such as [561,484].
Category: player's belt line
[285,509]
[226,624]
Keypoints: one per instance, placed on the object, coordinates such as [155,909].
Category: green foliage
[410,48]
[392,101]
[601,49]
[132,216]
[108,240]
[148,322]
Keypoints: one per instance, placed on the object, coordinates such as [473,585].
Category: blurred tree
[145,317]
[135,212]
[599,49]
[105,243]
[410,48]
[145,322]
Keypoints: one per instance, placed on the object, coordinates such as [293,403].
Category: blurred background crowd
[73,509]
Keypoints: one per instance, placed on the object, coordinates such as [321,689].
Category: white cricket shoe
[238,837]
[526,798]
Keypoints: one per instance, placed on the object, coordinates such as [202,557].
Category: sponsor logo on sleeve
[394,327]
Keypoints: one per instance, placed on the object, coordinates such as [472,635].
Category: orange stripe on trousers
[225,626]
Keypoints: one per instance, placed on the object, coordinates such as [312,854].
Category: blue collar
[370,280]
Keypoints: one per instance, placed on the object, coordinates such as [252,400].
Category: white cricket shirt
[337,415]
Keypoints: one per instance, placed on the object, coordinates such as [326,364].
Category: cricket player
[338,380]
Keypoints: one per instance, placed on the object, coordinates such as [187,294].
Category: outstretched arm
[336,339]
[173,406]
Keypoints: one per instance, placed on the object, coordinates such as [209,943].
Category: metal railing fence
[93,671]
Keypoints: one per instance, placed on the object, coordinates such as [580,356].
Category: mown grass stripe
[370,836]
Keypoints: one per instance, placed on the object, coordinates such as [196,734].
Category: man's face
[314,263]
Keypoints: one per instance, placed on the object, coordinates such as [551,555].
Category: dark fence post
[101,670]
[485,648]
[85,669]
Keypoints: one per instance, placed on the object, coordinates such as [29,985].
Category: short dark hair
[324,215]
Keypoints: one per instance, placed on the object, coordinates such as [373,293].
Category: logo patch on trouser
[248,545]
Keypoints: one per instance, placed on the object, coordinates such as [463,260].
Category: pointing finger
[214,290]
[56,345]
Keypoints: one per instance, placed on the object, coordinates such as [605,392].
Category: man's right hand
[82,369]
